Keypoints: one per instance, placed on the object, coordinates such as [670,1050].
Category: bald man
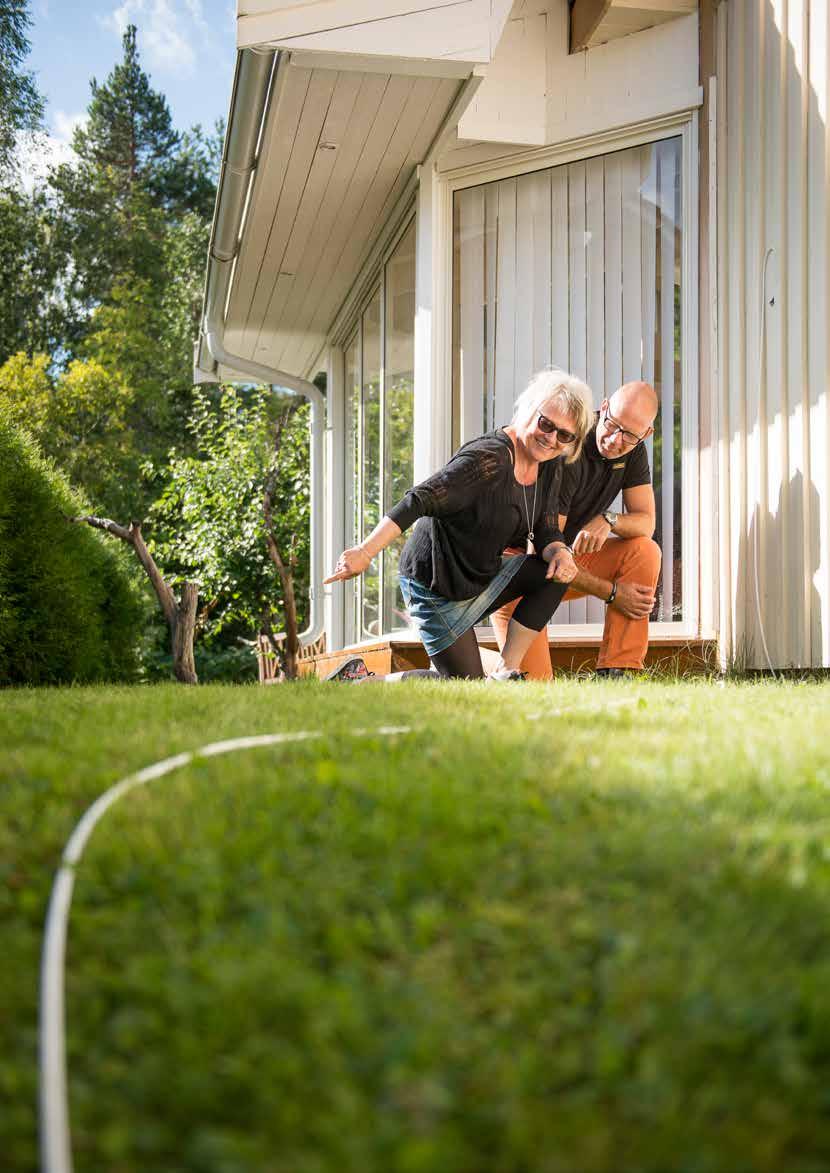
[617,559]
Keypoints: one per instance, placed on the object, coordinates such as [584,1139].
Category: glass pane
[370,487]
[352,474]
[399,402]
[577,266]
[664,183]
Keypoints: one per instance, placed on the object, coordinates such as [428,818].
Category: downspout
[253,84]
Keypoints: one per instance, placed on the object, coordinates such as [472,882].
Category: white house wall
[535,92]
[773,362]
[510,105]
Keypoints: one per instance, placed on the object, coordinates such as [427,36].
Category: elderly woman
[499,491]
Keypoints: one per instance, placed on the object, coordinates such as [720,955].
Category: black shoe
[350,670]
[613,673]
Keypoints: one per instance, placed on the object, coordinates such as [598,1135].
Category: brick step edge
[671,656]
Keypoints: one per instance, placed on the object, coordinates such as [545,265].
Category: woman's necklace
[531,549]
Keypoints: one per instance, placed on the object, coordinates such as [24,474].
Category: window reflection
[379,410]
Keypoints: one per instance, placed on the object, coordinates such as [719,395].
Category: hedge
[70,609]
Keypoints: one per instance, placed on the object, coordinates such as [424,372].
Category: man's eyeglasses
[549,428]
[613,428]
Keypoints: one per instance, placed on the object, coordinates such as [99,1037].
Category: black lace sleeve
[453,487]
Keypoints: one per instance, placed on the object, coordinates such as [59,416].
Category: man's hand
[635,601]
[561,566]
[350,564]
[592,536]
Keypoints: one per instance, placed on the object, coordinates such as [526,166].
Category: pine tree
[33,314]
[112,199]
[21,106]
[133,181]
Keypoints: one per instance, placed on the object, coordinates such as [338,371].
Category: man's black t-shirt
[591,483]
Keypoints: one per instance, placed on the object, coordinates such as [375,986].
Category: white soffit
[338,150]
[461,30]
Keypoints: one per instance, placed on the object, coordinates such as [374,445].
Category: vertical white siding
[774,366]
[471,323]
[580,265]
[505,307]
[577,611]
[668,218]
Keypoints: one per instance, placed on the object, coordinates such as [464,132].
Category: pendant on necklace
[531,549]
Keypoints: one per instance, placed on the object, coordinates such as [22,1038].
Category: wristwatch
[611,517]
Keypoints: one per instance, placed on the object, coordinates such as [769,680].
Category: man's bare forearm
[589,584]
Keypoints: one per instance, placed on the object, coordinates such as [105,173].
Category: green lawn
[567,928]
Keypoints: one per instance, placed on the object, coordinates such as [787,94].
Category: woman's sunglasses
[549,428]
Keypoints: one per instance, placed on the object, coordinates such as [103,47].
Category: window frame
[685,125]
[371,282]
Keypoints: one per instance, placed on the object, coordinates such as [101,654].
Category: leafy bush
[207,524]
[69,606]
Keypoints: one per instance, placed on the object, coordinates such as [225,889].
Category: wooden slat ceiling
[338,150]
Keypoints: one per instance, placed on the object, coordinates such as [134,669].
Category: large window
[577,266]
[379,361]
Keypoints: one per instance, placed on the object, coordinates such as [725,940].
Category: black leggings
[540,597]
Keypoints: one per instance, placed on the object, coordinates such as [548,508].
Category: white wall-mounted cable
[55,1140]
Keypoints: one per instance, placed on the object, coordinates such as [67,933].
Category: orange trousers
[624,641]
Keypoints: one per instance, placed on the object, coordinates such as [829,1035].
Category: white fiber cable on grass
[55,1144]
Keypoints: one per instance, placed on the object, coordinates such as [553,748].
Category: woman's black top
[469,511]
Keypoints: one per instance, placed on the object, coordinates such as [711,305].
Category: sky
[186,46]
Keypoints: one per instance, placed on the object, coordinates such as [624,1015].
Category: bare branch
[133,537]
[103,523]
[166,598]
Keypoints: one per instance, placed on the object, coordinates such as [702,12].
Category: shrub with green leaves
[207,524]
[70,609]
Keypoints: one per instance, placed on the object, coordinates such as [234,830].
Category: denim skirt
[441,621]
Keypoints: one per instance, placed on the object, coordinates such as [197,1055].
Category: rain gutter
[256,71]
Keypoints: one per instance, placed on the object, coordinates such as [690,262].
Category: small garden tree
[180,615]
[237,509]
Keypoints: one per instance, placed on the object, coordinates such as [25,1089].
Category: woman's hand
[350,564]
[561,566]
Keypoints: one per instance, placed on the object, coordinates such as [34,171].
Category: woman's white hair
[569,393]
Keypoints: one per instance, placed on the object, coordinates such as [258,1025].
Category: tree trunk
[184,664]
[266,630]
[291,650]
